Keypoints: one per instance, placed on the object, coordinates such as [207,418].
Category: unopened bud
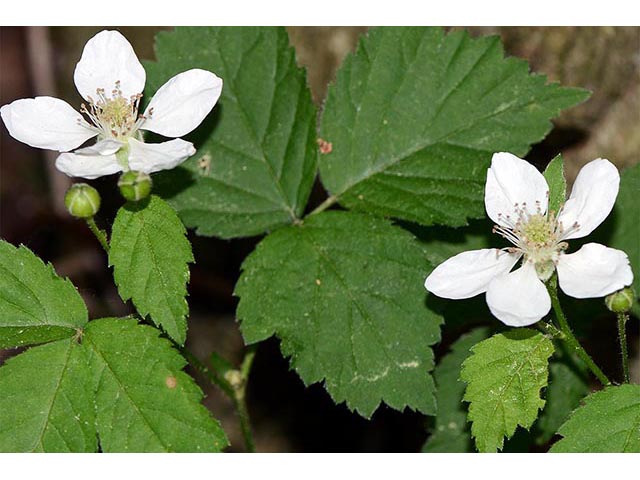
[135,185]
[82,200]
[620,301]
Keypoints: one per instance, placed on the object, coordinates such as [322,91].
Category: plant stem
[622,334]
[572,341]
[234,384]
[247,362]
[324,205]
[217,380]
[241,399]
[101,235]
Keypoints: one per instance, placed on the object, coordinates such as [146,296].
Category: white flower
[516,199]
[111,79]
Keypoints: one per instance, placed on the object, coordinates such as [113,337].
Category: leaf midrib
[424,145]
[229,87]
[126,393]
[40,437]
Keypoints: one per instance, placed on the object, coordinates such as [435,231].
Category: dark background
[287,416]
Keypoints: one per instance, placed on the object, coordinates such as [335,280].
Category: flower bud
[135,185]
[82,200]
[620,301]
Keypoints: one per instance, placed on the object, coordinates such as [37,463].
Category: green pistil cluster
[116,112]
[538,231]
[536,236]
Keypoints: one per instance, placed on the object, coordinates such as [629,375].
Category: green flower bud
[620,301]
[82,200]
[135,185]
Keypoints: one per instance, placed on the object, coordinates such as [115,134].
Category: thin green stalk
[247,362]
[324,205]
[572,341]
[234,384]
[241,399]
[217,380]
[622,335]
[101,235]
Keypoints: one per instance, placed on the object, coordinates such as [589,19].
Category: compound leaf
[144,401]
[415,115]
[609,421]
[256,159]
[47,401]
[36,306]
[452,433]
[504,378]
[150,253]
[344,293]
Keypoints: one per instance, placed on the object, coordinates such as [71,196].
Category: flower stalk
[622,335]
[241,400]
[100,234]
[569,337]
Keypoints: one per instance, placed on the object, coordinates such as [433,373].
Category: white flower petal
[87,166]
[511,181]
[46,122]
[107,58]
[594,271]
[153,157]
[518,298]
[469,273]
[181,104]
[108,146]
[592,197]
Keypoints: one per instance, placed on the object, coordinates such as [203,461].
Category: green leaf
[451,430]
[609,421]
[415,115]
[504,377]
[554,174]
[150,256]
[144,401]
[568,384]
[344,292]
[622,229]
[46,401]
[36,305]
[256,159]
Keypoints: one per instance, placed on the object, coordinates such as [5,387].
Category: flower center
[537,236]
[537,231]
[114,116]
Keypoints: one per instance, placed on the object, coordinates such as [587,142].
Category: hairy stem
[622,335]
[572,341]
[101,235]
[241,399]
[234,384]
[324,205]
[213,377]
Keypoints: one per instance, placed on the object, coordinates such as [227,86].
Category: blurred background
[286,416]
